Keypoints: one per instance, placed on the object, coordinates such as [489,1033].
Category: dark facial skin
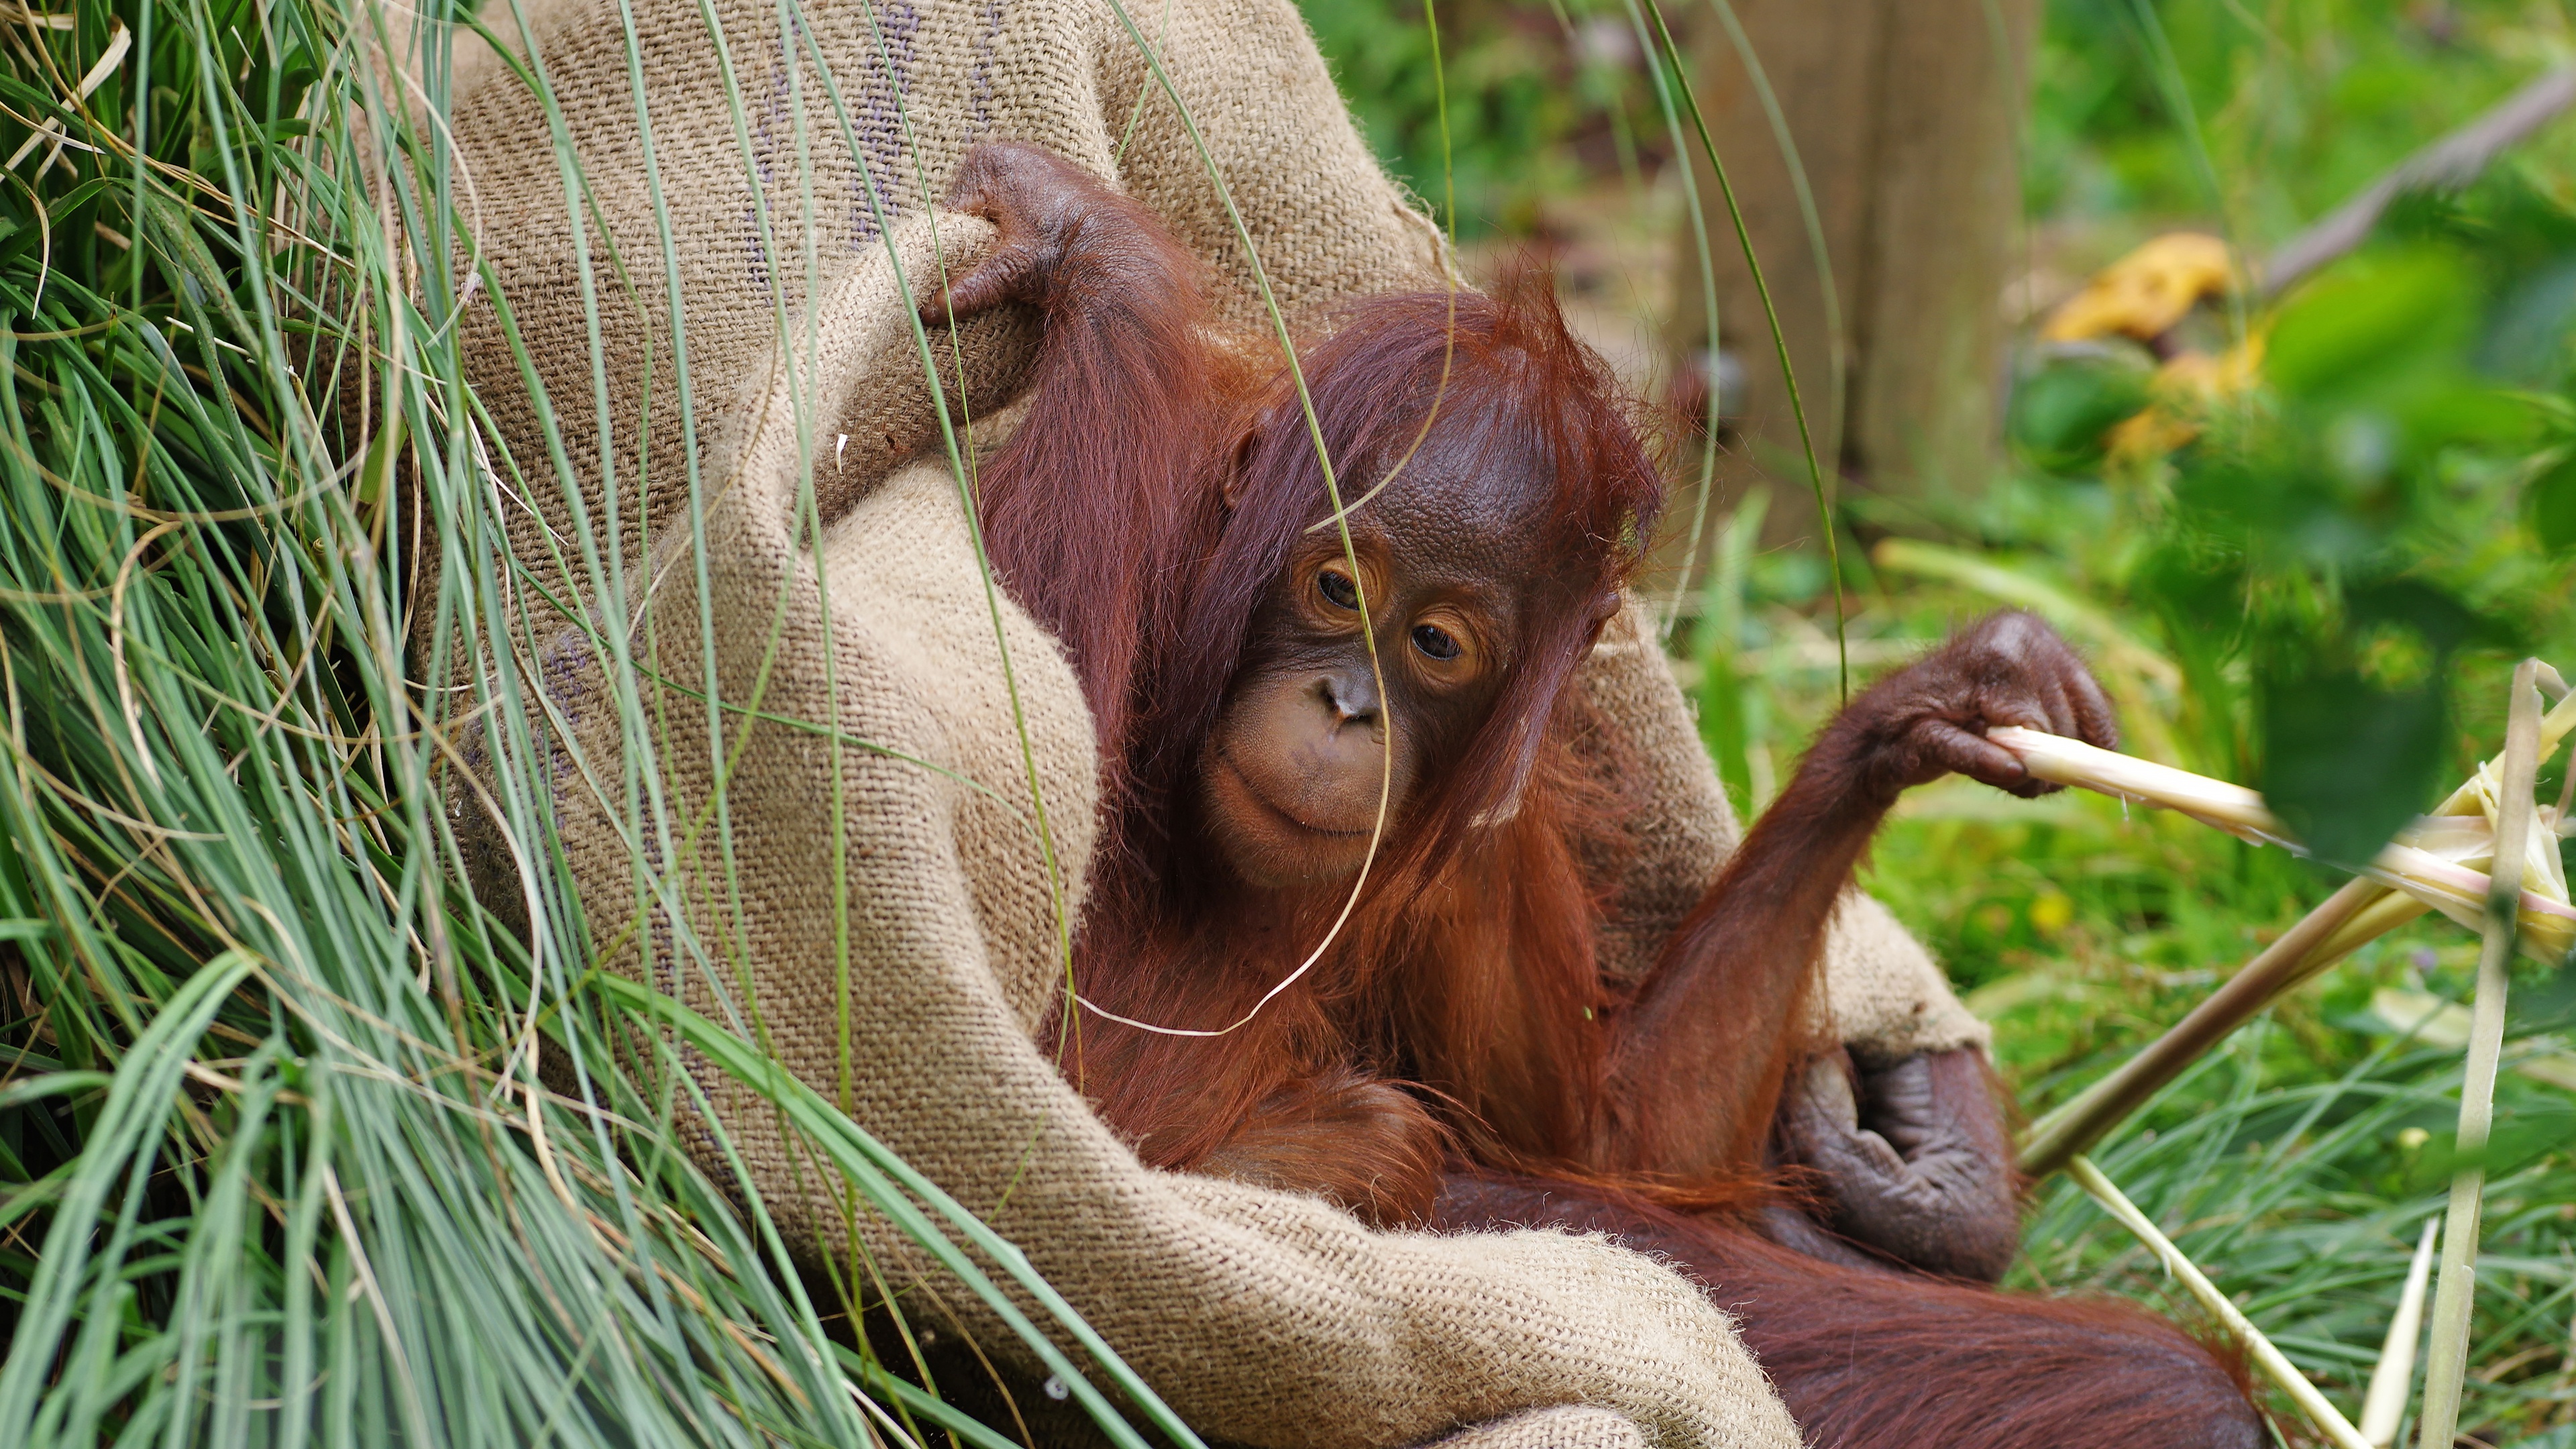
[1448,562]
[1449,559]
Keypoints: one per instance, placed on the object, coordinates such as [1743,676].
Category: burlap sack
[1569,1427]
[1264,1318]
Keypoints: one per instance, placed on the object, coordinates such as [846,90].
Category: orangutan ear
[1603,611]
[1238,458]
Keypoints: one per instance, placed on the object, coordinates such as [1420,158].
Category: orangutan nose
[1350,696]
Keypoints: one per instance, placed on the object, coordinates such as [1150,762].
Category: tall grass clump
[276,1162]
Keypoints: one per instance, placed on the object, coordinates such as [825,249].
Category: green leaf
[51,1084]
[2346,762]
[2550,502]
[2444,623]
[2061,411]
[2369,320]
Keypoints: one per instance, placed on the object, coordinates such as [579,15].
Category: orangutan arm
[1707,1042]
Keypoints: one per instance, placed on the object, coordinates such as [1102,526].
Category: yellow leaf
[2143,294]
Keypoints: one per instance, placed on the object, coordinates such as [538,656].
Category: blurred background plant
[2302,531]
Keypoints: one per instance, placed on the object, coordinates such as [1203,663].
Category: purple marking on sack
[880,121]
[764,145]
[568,673]
[982,85]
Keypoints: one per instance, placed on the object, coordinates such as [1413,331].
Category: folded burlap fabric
[762,200]
[1569,1427]
[722,345]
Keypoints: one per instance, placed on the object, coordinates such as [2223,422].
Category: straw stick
[2274,1364]
[2215,803]
[2402,883]
[2079,1124]
[2447,1360]
[2385,1401]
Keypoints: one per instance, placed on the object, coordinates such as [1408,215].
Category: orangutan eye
[1338,589]
[1434,641]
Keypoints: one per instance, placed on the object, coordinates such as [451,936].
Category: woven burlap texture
[1063,73]
[1567,1427]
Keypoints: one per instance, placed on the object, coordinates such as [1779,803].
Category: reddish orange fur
[1872,1358]
[1460,1018]
[1468,967]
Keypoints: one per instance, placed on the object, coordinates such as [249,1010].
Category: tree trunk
[1905,114]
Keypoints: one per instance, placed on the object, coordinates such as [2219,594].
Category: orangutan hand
[1049,249]
[1930,718]
[1915,1159]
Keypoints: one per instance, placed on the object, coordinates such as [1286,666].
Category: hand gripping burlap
[782,174]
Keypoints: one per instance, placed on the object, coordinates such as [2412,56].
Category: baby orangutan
[1278,713]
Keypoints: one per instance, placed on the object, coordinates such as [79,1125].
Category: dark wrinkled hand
[1916,1163]
[1037,200]
[1931,718]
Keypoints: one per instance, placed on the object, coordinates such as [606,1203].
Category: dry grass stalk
[2436,860]
[2440,859]
[2273,1364]
[2384,1402]
[2511,808]
[2293,957]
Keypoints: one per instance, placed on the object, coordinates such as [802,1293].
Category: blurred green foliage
[2300,103]
[2318,551]
[2062,413]
[1541,92]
